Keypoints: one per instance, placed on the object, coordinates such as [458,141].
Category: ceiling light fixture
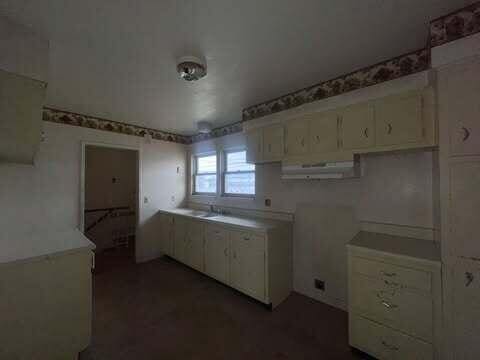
[191,68]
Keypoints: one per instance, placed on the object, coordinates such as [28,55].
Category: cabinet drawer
[399,308]
[392,274]
[385,343]
[212,231]
[255,243]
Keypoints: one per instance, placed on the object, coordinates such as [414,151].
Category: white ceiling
[116,58]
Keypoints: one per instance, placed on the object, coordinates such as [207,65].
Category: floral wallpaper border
[69,118]
[403,65]
[456,25]
[218,132]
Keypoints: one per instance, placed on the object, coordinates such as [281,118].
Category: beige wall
[48,194]
[395,189]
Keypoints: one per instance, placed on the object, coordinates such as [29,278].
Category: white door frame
[138,150]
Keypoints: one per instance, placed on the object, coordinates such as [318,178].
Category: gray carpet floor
[164,310]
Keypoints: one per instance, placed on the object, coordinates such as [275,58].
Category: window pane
[206,183]
[243,183]
[236,161]
[207,164]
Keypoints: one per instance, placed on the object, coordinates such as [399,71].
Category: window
[239,177]
[205,175]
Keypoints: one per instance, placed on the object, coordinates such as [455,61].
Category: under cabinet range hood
[322,170]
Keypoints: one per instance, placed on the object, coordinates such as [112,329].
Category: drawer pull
[389,274]
[388,305]
[246,238]
[392,283]
[389,346]
[469,277]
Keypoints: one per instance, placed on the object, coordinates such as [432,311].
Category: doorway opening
[110,188]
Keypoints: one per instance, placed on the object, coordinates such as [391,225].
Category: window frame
[225,172]
[195,174]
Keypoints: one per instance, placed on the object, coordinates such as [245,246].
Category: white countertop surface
[398,245]
[21,245]
[256,224]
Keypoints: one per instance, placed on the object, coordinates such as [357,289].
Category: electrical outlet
[320,284]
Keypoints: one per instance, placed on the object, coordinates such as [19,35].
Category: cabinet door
[180,236]
[297,137]
[194,251]
[166,234]
[273,143]
[21,101]
[323,133]
[463,108]
[254,146]
[247,265]
[465,207]
[399,120]
[216,253]
[358,127]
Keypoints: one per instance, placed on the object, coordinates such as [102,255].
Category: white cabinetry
[21,104]
[394,296]
[247,265]
[46,307]
[166,235]
[255,259]
[217,253]
[458,112]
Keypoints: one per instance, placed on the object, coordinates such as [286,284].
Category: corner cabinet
[255,260]
[397,122]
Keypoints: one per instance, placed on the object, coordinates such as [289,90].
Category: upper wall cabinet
[265,144]
[254,139]
[273,142]
[323,133]
[296,137]
[358,127]
[463,109]
[399,120]
[21,103]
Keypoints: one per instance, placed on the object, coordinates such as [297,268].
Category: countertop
[18,245]
[398,245]
[256,224]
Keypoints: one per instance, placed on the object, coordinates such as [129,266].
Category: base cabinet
[217,253]
[256,262]
[247,265]
[46,307]
[394,297]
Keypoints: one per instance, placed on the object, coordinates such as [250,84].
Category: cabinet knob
[469,278]
[389,274]
[365,132]
[246,238]
[389,305]
[466,133]
[318,138]
[389,346]
[389,129]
